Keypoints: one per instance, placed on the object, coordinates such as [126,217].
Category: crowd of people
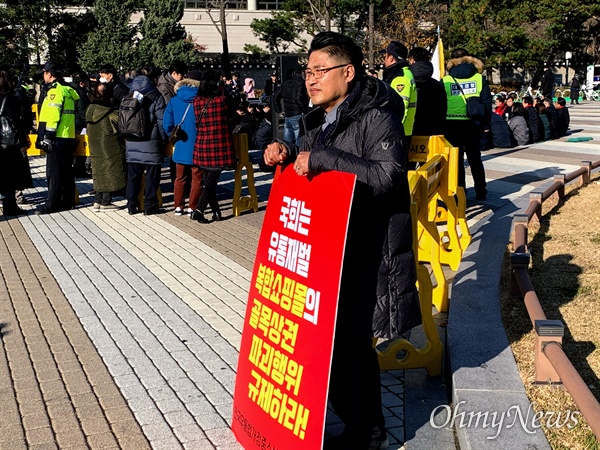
[171,101]
[527,122]
[129,120]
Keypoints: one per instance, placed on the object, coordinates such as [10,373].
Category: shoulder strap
[3,103]
[185,113]
[203,111]
[459,87]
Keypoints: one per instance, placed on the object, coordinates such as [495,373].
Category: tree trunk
[225,59]
[49,32]
[371,56]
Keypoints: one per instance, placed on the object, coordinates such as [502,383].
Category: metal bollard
[546,331]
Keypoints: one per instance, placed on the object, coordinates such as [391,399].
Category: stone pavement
[122,331]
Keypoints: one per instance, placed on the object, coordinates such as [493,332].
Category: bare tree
[221,26]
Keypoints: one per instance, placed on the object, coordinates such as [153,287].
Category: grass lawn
[565,271]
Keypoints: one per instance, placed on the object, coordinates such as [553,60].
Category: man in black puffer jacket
[295,104]
[355,129]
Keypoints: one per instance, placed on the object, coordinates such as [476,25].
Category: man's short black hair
[561,101]
[528,99]
[459,53]
[340,47]
[178,67]
[419,54]
[108,68]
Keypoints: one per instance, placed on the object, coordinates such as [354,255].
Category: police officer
[397,74]
[56,136]
[465,79]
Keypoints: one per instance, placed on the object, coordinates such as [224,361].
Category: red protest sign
[280,398]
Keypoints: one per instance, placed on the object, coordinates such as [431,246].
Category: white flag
[438,61]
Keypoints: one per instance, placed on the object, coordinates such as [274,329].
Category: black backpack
[134,117]
[9,136]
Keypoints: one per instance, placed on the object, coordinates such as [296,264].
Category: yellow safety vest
[58,110]
[457,103]
[406,88]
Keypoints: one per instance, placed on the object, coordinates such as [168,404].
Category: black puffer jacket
[14,168]
[430,118]
[378,278]
[294,96]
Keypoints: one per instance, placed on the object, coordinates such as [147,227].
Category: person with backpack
[141,125]
[14,141]
[56,137]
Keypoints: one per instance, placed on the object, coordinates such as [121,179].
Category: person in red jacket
[500,107]
[213,150]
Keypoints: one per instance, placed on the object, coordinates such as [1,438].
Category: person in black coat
[575,88]
[271,85]
[557,124]
[80,83]
[430,118]
[563,113]
[108,74]
[263,137]
[533,120]
[14,170]
[547,83]
[295,104]
[500,132]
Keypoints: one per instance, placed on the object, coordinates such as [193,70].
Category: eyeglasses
[318,73]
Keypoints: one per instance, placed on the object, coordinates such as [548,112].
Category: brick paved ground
[122,331]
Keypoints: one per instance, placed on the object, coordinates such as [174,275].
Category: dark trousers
[104,198]
[8,201]
[466,135]
[135,172]
[59,174]
[355,387]
[210,179]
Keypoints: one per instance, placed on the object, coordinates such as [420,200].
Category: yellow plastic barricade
[430,355]
[240,204]
[453,245]
[429,240]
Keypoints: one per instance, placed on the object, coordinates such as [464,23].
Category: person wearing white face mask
[108,74]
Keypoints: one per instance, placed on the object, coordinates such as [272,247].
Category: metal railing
[551,362]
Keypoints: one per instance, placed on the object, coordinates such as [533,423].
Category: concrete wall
[198,24]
